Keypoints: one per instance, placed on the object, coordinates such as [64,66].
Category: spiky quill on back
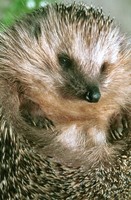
[25,175]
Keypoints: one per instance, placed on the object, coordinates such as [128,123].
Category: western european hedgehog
[65,99]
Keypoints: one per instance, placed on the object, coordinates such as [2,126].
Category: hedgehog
[65,91]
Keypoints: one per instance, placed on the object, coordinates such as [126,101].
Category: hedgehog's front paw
[34,116]
[38,121]
[119,127]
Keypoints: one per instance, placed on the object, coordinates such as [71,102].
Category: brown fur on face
[64,73]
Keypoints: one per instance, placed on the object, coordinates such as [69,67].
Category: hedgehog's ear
[34,27]
[36,31]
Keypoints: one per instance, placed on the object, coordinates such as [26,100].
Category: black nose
[93,94]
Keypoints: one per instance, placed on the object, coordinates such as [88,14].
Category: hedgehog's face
[67,64]
[82,65]
[81,59]
[70,66]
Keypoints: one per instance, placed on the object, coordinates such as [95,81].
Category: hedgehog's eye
[104,67]
[64,61]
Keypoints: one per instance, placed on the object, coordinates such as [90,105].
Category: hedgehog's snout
[93,94]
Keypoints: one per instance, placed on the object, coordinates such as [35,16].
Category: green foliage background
[16,8]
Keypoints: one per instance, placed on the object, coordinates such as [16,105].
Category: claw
[113,136]
[118,136]
[125,124]
[119,127]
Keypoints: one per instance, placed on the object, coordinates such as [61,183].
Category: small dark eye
[104,67]
[65,61]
